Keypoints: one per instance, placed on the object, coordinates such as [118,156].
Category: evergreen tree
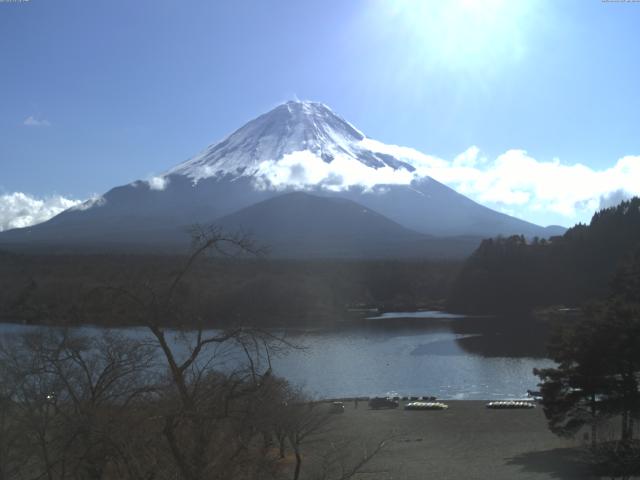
[573,392]
[598,356]
[513,274]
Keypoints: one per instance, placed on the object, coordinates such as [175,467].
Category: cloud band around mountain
[517,180]
[514,182]
[19,209]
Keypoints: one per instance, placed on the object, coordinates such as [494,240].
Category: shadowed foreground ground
[467,441]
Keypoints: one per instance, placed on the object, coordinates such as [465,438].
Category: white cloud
[95,201]
[19,210]
[613,198]
[158,183]
[514,182]
[519,184]
[517,179]
[33,121]
[304,169]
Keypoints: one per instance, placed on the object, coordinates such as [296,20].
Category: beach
[466,441]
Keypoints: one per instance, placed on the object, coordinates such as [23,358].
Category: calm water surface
[423,353]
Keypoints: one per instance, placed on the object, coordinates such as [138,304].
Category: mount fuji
[301,147]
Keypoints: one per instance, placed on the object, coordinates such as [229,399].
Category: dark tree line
[516,274]
[596,383]
[225,291]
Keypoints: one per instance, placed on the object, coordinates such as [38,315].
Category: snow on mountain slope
[297,146]
[302,144]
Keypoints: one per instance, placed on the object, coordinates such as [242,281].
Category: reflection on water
[481,335]
[470,358]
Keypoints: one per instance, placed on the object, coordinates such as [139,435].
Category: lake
[420,353]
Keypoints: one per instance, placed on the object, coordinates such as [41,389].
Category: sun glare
[463,33]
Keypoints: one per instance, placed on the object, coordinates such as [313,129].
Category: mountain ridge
[298,146]
[302,225]
[289,128]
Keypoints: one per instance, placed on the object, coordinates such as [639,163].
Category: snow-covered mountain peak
[296,143]
[297,146]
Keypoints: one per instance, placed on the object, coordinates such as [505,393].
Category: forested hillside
[513,274]
[61,289]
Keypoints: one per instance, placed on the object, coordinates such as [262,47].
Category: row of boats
[426,403]
[508,404]
[499,405]
[430,404]
[426,406]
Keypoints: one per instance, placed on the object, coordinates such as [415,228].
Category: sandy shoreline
[467,441]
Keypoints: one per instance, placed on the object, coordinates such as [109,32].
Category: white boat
[509,404]
[425,406]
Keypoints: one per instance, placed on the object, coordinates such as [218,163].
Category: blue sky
[98,94]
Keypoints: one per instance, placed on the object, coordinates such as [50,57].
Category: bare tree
[69,396]
[177,403]
[11,460]
[208,417]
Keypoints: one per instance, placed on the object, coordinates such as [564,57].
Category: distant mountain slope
[135,215]
[430,207]
[513,274]
[302,225]
[297,146]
